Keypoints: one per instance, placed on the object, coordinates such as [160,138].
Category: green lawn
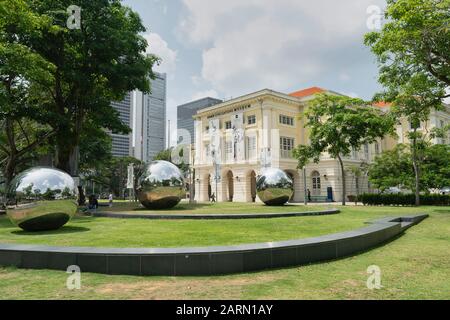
[414,266]
[208,208]
[136,233]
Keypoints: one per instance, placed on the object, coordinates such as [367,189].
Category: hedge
[373,199]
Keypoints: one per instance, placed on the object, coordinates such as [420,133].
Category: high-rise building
[186,112]
[155,118]
[121,143]
[146,116]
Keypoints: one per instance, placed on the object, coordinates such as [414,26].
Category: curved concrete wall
[217,216]
[208,260]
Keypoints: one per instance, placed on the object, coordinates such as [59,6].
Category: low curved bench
[217,216]
[208,260]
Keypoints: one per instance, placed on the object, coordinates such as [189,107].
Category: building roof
[307,92]
[192,103]
[382,104]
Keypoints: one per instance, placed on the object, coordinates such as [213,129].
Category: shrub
[373,199]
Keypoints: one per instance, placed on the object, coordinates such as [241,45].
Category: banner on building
[237,123]
[215,147]
[130,177]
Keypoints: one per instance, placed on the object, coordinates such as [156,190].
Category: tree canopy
[93,66]
[337,125]
[395,168]
[24,75]
[414,65]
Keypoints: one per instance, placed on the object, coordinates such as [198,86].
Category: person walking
[110,198]
[309,195]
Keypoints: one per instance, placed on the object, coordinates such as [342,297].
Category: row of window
[286,120]
[251,120]
[366,151]
[286,146]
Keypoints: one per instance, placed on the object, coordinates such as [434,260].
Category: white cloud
[344,76]
[159,47]
[279,44]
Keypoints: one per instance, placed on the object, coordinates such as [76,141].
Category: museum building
[235,140]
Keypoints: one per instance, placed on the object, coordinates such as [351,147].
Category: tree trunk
[343,180]
[9,171]
[67,160]
[416,169]
[11,162]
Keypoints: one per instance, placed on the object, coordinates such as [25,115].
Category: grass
[414,266]
[137,233]
[207,208]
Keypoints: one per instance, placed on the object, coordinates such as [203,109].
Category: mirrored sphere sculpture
[161,186]
[41,199]
[274,187]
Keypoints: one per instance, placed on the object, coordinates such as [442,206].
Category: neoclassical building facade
[235,140]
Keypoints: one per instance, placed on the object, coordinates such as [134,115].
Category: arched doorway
[316,183]
[229,190]
[291,175]
[207,189]
[252,186]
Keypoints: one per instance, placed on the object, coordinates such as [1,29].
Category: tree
[415,40]
[358,171]
[412,51]
[395,168]
[170,153]
[23,76]
[337,125]
[113,174]
[95,65]
[435,167]
[392,168]
[95,148]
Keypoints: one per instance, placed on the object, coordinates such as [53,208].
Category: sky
[227,48]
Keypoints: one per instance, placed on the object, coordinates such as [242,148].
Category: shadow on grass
[442,210]
[180,207]
[63,230]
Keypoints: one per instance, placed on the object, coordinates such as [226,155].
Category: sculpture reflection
[41,199]
[161,186]
[274,187]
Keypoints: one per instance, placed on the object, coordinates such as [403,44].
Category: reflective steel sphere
[274,187]
[41,199]
[161,186]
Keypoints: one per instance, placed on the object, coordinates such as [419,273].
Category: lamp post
[304,186]
[191,175]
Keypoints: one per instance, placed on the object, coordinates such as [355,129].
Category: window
[229,150]
[286,120]
[228,125]
[251,119]
[207,151]
[442,125]
[286,147]
[251,148]
[207,129]
[316,183]
[377,148]
[366,151]
[354,153]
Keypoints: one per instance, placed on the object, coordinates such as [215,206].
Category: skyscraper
[121,143]
[146,116]
[186,111]
[155,118]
